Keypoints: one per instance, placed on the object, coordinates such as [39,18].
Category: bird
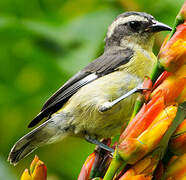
[99,99]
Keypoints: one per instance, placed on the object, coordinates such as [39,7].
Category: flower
[97,163]
[176,168]
[38,171]
[178,140]
[130,174]
[173,53]
[86,169]
[182,14]
[146,132]
[174,87]
[144,117]
[142,170]
[161,78]
[26,175]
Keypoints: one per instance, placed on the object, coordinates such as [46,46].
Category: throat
[142,46]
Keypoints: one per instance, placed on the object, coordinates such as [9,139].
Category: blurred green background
[42,44]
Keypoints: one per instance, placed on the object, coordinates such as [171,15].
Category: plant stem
[180,116]
[179,20]
[157,70]
[137,106]
[114,166]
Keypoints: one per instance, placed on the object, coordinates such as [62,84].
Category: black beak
[158,26]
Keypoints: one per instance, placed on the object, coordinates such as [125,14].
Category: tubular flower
[130,174]
[182,14]
[174,87]
[26,175]
[161,78]
[86,169]
[38,171]
[144,117]
[178,141]
[142,170]
[97,163]
[173,53]
[176,168]
[146,130]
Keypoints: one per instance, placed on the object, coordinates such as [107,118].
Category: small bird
[99,99]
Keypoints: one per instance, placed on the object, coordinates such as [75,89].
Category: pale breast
[86,102]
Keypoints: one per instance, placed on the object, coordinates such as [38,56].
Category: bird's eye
[134,25]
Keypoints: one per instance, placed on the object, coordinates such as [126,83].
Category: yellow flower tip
[155,132]
[172,54]
[166,114]
[33,164]
[26,175]
[38,171]
[132,150]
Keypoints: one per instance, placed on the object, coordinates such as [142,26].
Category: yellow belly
[84,105]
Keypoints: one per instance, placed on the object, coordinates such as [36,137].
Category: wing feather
[105,64]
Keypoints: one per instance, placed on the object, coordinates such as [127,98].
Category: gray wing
[105,64]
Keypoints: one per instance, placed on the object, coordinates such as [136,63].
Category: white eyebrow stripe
[123,20]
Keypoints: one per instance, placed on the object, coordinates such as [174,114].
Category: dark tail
[46,133]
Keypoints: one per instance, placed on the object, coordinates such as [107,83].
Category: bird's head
[134,28]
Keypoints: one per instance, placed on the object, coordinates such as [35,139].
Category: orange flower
[161,78]
[130,174]
[26,175]
[173,53]
[134,147]
[174,86]
[144,117]
[176,168]
[154,133]
[142,170]
[182,13]
[86,169]
[146,130]
[38,171]
[178,141]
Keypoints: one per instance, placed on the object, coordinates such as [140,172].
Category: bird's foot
[98,143]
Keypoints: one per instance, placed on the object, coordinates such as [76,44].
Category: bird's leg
[100,144]
[108,105]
